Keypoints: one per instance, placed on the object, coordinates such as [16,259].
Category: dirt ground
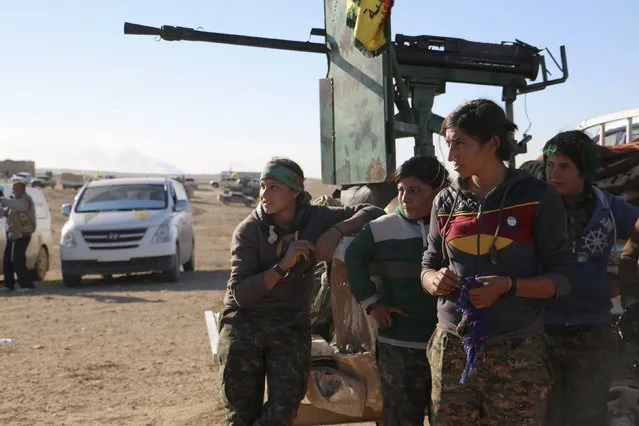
[129,351]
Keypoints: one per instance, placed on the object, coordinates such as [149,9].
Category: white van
[127,225]
[41,240]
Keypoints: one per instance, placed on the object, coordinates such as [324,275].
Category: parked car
[22,177]
[119,226]
[43,182]
[39,249]
[236,197]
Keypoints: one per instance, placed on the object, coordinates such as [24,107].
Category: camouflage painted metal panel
[359,104]
[327,131]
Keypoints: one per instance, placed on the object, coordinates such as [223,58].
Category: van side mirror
[66,210]
[181,205]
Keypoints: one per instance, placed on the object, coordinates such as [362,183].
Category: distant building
[9,167]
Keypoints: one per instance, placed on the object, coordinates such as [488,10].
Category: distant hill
[57,172]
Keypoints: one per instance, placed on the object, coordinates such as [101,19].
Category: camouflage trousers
[510,389]
[258,346]
[582,358]
[405,379]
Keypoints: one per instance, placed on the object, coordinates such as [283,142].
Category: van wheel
[41,265]
[190,264]
[71,280]
[173,275]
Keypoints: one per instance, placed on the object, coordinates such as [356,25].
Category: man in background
[21,223]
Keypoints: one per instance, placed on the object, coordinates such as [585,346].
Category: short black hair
[579,147]
[427,169]
[483,119]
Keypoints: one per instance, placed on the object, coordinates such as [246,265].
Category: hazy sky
[78,93]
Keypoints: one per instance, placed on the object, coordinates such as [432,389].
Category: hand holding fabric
[443,283]
[493,286]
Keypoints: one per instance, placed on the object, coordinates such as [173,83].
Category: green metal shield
[354,125]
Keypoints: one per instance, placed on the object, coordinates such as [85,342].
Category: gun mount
[353,97]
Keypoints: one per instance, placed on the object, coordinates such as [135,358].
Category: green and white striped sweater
[391,247]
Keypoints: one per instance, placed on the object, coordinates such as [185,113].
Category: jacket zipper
[480,218]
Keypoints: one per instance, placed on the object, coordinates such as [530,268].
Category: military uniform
[579,323]
[510,389]
[582,372]
[517,231]
[406,384]
[21,223]
[265,334]
[393,245]
[274,344]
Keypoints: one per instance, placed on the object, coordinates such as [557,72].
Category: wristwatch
[277,268]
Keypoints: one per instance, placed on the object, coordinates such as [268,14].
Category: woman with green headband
[579,322]
[265,326]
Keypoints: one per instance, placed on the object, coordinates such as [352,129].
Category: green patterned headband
[284,175]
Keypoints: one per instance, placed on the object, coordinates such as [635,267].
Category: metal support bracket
[423,99]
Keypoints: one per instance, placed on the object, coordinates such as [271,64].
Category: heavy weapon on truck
[359,128]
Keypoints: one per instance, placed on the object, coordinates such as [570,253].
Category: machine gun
[353,97]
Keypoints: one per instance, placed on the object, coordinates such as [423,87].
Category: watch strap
[277,268]
[512,291]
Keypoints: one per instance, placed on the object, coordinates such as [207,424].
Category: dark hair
[577,146]
[483,119]
[289,164]
[427,169]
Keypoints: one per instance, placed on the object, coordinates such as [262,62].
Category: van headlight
[68,240]
[163,233]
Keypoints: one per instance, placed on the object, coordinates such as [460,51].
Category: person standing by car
[405,314]
[265,325]
[579,323]
[507,229]
[19,211]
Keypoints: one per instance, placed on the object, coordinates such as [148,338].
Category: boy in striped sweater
[406,315]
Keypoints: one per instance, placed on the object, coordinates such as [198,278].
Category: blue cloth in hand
[472,329]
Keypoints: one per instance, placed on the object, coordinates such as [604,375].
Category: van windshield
[139,196]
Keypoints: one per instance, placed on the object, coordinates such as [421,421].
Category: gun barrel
[136,29]
[171,33]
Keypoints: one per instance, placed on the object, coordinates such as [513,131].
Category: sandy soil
[129,351]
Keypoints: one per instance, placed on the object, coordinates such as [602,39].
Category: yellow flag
[367,19]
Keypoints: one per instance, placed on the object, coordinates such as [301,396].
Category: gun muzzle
[137,29]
